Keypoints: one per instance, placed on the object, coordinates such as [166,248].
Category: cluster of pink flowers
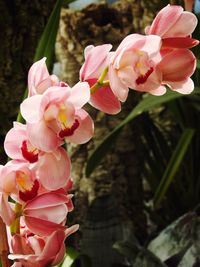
[38,178]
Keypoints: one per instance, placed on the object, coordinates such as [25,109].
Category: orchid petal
[177,65]
[85,130]
[80,94]
[104,100]
[185,87]
[37,73]
[46,140]
[54,172]
[119,89]
[165,20]
[95,56]
[32,108]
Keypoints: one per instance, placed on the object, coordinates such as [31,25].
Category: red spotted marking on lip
[70,130]
[28,155]
[142,78]
[30,194]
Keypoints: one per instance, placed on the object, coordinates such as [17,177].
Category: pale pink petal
[46,200]
[6,212]
[42,137]
[37,73]
[161,90]
[57,214]
[42,227]
[44,85]
[185,87]
[165,20]
[95,57]
[32,108]
[184,26]
[56,94]
[12,145]
[54,172]
[127,76]
[80,94]
[104,100]
[177,65]
[129,43]
[57,238]
[85,130]
[152,44]
[119,89]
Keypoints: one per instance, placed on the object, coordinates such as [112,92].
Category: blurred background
[139,206]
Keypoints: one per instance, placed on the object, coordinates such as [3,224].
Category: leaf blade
[173,165]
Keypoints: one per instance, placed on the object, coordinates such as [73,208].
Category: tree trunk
[21,24]
[109,204]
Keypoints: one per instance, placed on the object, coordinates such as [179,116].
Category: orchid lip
[68,131]
[29,155]
[142,78]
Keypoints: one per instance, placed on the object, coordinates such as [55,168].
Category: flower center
[68,131]
[29,152]
[24,181]
[27,187]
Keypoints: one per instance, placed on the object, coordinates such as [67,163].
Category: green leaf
[198,64]
[173,165]
[70,257]
[46,45]
[146,104]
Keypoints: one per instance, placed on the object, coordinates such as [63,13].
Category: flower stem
[4,248]
[15,226]
[100,82]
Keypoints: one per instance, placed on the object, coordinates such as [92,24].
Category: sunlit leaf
[176,238]
[70,257]
[173,164]
[146,104]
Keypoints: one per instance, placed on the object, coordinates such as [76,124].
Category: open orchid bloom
[46,213]
[168,24]
[20,148]
[19,180]
[96,60]
[58,115]
[138,64]
[38,251]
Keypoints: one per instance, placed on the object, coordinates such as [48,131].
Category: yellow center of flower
[24,181]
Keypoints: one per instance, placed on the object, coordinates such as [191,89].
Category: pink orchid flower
[46,213]
[52,168]
[174,26]
[137,64]
[18,181]
[20,148]
[34,251]
[57,115]
[39,79]
[95,62]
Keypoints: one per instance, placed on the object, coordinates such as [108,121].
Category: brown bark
[21,25]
